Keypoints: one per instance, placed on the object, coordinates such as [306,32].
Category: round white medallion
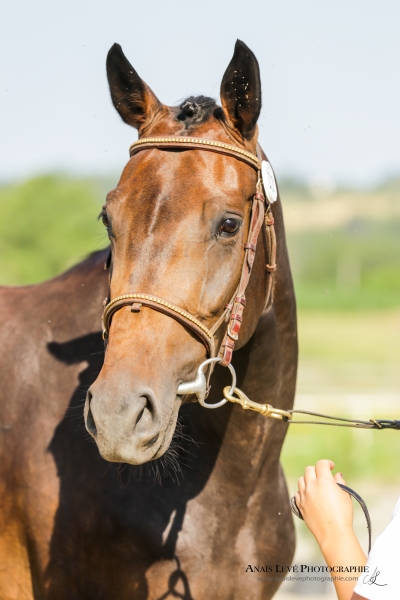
[269,182]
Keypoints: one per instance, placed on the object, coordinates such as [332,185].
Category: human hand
[327,509]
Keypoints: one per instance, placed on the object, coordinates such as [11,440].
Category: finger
[301,485]
[324,467]
[309,474]
[339,478]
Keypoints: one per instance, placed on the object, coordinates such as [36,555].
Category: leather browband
[196,144]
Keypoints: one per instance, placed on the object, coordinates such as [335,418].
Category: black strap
[371,424]
[296,510]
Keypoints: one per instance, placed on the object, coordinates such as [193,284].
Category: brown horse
[74,528]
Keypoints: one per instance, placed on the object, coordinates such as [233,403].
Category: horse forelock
[195,110]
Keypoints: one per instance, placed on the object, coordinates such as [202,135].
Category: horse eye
[229,226]
[104,218]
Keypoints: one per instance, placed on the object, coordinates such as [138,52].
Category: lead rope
[286,415]
[237,396]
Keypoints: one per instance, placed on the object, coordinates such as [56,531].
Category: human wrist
[343,550]
[342,538]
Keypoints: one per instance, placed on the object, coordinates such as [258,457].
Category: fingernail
[341,474]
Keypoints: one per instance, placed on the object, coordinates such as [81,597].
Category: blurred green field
[344,246]
[47,225]
[349,366]
[366,455]
[345,254]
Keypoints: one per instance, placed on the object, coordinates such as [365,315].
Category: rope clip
[239,397]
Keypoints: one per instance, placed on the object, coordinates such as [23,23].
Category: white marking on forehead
[154,214]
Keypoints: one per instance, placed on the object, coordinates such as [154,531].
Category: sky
[330,80]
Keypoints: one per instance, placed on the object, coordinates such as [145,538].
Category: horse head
[178,222]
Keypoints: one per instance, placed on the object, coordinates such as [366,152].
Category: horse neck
[77,295]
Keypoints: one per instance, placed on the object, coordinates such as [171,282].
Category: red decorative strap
[236,317]
[250,247]
[229,344]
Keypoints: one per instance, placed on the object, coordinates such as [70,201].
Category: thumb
[339,478]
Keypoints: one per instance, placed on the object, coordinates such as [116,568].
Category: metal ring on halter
[199,385]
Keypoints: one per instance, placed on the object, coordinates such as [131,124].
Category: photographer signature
[371,580]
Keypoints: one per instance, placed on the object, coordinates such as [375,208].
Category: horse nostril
[140,415]
[147,406]
[90,424]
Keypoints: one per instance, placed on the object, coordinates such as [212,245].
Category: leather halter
[260,212]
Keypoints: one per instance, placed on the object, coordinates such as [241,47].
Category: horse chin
[131,452]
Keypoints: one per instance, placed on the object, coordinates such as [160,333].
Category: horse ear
[133,99]
[241,90]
